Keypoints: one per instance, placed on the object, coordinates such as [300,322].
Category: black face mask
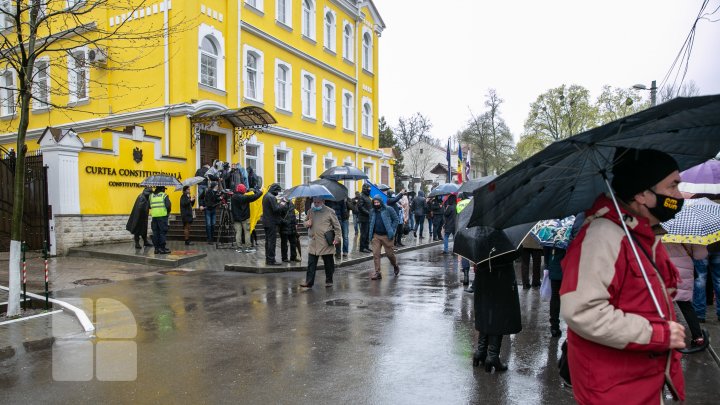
[377,207]
[666,207]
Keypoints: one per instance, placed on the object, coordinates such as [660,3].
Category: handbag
[406,229]
[563,366]
[330,237]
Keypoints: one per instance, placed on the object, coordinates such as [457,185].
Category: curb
[285,268]
[137,259]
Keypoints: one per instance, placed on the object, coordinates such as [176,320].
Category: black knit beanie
[637,170]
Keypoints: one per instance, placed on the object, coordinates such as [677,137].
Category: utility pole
[653,94]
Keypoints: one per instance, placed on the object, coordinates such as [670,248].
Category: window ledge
[41,110]
[76,103]
[8,117]
[367,72]
[367,136]
[253,102]
[311,40]
[329,125]
[349,131]
[211,89]
[330,51]
[283,26]
[348,61]
[309,119]
[255,10]
[283,111]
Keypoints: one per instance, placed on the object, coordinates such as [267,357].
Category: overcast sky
[440,57]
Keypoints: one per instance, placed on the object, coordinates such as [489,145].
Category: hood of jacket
[378,198]
[274,189]
[421,194]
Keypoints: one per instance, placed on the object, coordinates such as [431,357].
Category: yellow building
[120,109]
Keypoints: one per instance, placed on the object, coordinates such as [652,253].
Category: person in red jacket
[620,348]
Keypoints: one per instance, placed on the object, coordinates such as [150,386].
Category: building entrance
[209,148]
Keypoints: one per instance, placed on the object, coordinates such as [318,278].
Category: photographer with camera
[212,200]
[241,215]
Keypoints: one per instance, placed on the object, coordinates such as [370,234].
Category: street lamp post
[653,91]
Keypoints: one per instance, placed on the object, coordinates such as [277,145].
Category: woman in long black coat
[497,309]
[138,222]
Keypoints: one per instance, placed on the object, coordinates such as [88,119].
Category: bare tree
[39,34]
[669,92]
[489,137]
[412,130]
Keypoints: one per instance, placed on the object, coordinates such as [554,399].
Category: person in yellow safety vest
[464,263]
[159,210]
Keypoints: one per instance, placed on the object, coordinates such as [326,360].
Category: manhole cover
[343,302]
[173,272]
[91,281]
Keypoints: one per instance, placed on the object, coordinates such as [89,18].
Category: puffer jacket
[618,344]
[389,217]
[418,205]
[680,256]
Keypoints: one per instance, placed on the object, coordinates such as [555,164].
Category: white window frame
[41,104]
[259,168]
[286,6]
[329,102]
[312,166]
[6,21]
[367,118]
[308,111]
[371,174]
[288,165]
[348,110]
[74,4]
[308,30]
[367,50]
[287,93]
[260,73]
[8,97]
[384,166]
[348,41]
[256,4]
[219,41]
[73,75]
[329,29]
[329,158]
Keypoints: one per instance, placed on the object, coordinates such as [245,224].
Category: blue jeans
[446,241]
[419,223]
[344,225]
[464,263]
[702,268]
[356,224]
[430,224]
[411,221]
[209,224]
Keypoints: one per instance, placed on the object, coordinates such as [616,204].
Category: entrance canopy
[245,121]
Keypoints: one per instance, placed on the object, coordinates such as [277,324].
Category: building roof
[441,168]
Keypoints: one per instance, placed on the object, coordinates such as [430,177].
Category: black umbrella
[338,191]
[566,177]
[161,180]
[383,187]
[443,189]
[482,243]
[344,173]
[471,185]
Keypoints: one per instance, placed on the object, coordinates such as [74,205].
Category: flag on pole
[467,165]
[460,165]
[449,165]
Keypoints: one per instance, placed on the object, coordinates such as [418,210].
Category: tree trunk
[16,233]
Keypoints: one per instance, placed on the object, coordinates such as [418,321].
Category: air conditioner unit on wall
[97,56]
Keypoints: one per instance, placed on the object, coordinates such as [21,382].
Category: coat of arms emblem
[137,155]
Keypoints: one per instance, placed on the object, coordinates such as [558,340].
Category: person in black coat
[497,309]
[271,217]
[419,209]
[393,201]
[364,206]
[436,211]
[240,208]
[449,219]
[212,200]
[288,233]
[137,223]
[186,203]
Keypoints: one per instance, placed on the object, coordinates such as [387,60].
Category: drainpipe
[166,57]
[239,46]
[357,85]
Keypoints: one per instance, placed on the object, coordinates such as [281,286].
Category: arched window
[329,30]
[348,42]
[367,119]
[367,52]
[208,62]
[308,18]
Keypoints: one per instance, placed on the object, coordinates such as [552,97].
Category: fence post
[45,256]
[23,249]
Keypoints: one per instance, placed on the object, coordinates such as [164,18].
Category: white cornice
[301,136]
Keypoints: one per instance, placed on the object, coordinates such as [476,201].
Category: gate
[36,211]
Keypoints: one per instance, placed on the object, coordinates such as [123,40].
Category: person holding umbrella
[364,206]
[383,225]
[622,324]
[436,210]
[272,215]
[159,209]
[324,232]
[138,220]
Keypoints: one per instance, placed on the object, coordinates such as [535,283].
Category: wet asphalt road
[223,337]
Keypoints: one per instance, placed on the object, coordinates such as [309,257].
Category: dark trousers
[270,242]
[555,304]
[399,234]
[312,267]
[364,235]
[525,255]
[419,223]
[437,227]
[159,227]
[209,224]
[690,317]
[284,239]
[430,227]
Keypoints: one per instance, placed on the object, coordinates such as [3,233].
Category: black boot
[466,276]
[481,352]
[493,358]
[147,242]
[137,242]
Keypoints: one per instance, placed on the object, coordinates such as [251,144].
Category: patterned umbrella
[698,223]
[554,232]
[161,180]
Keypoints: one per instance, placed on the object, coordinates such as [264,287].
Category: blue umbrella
[447,188]
[308,190]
